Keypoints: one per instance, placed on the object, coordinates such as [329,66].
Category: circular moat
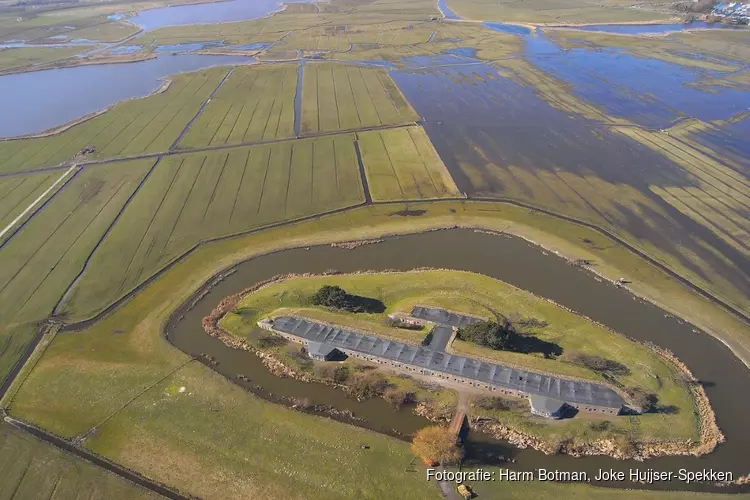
[519,263]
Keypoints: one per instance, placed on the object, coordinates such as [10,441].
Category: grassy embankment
[19,58]
[33,469]
[485,297]
[254,104]
[669,48]
[41,26]
[131,127]
[560,12]
[39,262]
[84,378]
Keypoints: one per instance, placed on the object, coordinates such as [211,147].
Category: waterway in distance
[515,261]
[40,100]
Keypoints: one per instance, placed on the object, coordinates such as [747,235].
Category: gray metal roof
[319,349]
[443,317]
[424,357]
[545,405]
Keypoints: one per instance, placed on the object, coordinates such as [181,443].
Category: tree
[437,443]
[331,296]
[500,336]
[338,298]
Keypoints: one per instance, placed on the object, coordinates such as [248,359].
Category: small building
[321,352]
[546,407]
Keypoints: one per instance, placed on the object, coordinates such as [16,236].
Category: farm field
[73,389]
[341,97]
[402,164]
[200,196]
[18,192]
[256,103]
[33,469]
[15,59]
[39,262]
[135,126]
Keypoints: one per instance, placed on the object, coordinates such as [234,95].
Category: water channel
[517,262]
[206,13]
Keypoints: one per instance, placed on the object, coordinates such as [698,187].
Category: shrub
[604,425]
[645,401]
[268,341]
[493,403]
[600,364]
[398,397]
[397,323]
[363,386]
[437,443]
[341,374]
[338,374]
[500,336]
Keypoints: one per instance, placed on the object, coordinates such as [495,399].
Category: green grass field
[336,97]
[254,104]
[478,295]
[17,193]
[15,59]
[192,198]
[214,439]
[137,126]
[32,469]
[84,377]
[40,261]
[402,164]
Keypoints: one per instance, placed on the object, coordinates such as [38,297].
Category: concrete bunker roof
[571,391]
[545,405]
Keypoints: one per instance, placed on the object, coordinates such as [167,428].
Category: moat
[519,263]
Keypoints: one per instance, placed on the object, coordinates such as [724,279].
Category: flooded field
[41,100]
[649,92]
[514,261]
[500,139]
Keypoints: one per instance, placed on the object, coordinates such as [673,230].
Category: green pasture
[200,196]
[402,164]
[255,104]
